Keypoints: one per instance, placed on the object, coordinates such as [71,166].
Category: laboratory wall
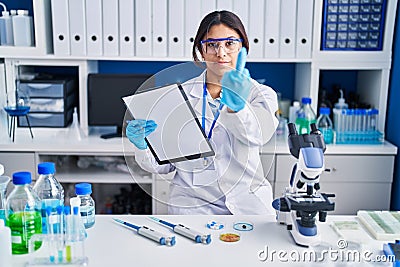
[393,114]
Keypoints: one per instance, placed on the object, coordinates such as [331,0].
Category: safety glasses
[231,45]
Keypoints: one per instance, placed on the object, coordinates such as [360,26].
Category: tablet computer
[179,135]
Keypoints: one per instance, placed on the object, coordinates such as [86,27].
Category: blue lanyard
[203,115]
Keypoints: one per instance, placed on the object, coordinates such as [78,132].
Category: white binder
[256,28]
[305,11]
[192,22]
[287,42]
[272,28]
[225,5]
[207,6]
[94,29]
[77,27]
[159,25]
[127,28]
[241,8]
[60,18]
[110,28]
[176,29]
[143,40]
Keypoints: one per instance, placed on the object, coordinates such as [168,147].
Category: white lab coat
[233,182]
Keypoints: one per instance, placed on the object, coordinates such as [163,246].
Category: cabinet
[358,181]
[372,70]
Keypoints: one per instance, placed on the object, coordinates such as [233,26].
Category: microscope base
[298,237]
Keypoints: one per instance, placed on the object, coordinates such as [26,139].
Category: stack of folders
[159,28]
[383,225]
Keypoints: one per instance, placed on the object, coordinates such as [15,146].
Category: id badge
[205,176]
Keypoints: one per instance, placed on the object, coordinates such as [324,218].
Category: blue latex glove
[236,84]
[137,130]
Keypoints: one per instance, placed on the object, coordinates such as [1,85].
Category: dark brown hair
[215,18]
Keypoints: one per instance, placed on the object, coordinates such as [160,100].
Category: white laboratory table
[110,244]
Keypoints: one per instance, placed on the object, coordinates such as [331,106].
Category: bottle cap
[83,189]
[67,210]
[324,110]
[5,14]
[46,168]
[374,111]
[306,100]
[20,12]
[296,104]
[20,178]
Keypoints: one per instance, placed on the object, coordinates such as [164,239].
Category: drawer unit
[52,102]
[375,169]
[359,182]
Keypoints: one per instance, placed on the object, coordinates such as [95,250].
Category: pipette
[186,231]
[149,233]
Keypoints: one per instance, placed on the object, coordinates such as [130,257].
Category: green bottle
[305,116]
[23,213]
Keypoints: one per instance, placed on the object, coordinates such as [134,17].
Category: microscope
[297,208]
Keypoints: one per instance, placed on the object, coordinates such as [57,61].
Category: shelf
[118,58]
[97,175]
[42,34]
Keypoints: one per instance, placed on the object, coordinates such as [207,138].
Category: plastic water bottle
[22,28]
[305,116]
[6,29]
[49,190]
[4,180]
[324,124]
[23,213]
[293,111]
[87,207]
[5,244]
[338,114]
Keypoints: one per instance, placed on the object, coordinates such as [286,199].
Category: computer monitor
[105,106]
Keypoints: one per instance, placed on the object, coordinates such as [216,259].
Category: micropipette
[186,231]
[149,233]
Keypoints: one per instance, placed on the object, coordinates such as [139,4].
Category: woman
[237,114]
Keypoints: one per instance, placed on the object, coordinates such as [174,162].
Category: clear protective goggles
[231,45]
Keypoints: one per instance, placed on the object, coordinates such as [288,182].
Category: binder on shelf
[272,28]
[305,11]
[94,29]
[110,28]
[207,6]
[241,8]
[225,5]
[126,28]
[60,21]
[77,27]
[256,28]
[287,43]
[143,36]
[192,20]
[159,25]
[176,28]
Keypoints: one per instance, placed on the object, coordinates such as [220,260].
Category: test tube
[374,119]
[50,235]
[60,235]
[364,125]
[68,233]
